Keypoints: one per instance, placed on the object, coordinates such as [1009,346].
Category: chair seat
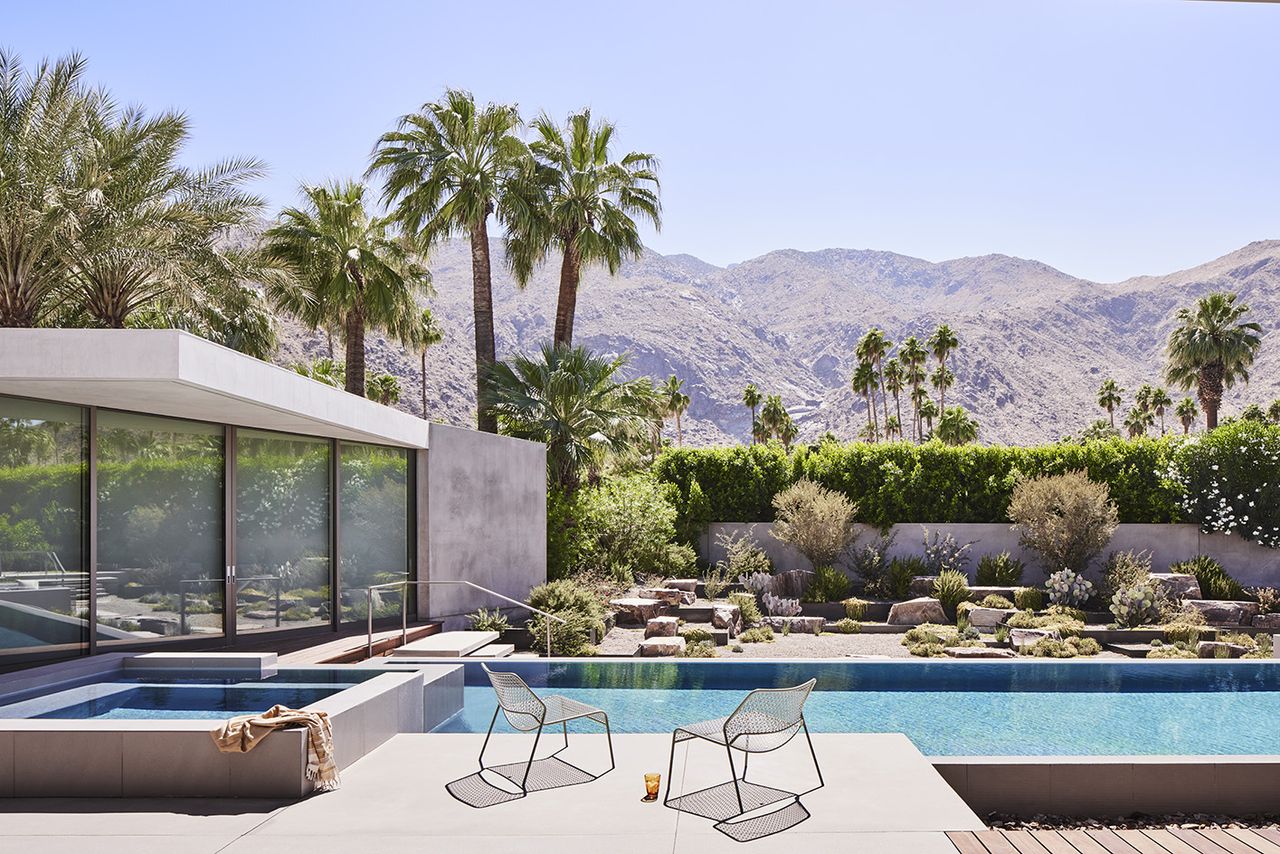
[560,709]
[770,733]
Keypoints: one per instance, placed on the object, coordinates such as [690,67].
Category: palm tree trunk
[753,425]
[871,427]
[897,404]
[884,400]
[353,334]
[875,418]
[424,385]
[1111,413]
[679,430]
[567,301]
[482,304]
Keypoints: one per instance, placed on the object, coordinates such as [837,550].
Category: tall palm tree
[773,416]
[864,383]
[942,343]
[590,204]
[1187,413]
[1158,401]
[759,433]
[872,348]
[893,427]
[894,376]
[334,258]
[751,399]
[788,433]
[955,427]
[1212,348]
[1142,397]
[576,403]
[1137,420]
[913,356]
[447,168]
[1109,398]
[919,397]
[928,412]
[942,379]
[423,335]
[1273,411]
[675,403]
[44,145]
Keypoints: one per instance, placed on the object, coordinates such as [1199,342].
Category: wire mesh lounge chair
[766,720]
[527,712]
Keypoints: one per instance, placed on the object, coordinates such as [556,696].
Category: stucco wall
[485,500]
[1249,563]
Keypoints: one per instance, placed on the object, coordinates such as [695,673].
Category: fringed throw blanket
[242,734]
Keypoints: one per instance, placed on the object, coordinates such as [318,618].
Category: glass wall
[373,527]
[160,528]
[282,531]
[44,590]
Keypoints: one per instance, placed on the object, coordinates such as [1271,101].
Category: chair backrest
[519,704]
[769,712]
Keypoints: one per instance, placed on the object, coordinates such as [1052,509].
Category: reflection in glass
[44,589]
[373,527]
[160,531]
[282,531]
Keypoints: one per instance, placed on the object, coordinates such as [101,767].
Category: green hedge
[901,482]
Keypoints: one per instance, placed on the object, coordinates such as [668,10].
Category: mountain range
[1035,342]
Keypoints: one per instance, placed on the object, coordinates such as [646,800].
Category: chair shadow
[552,772]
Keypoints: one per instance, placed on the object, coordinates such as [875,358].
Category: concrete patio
[881,795]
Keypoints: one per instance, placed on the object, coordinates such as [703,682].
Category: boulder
[1176,585]
[989,618]
[727,617]
[1221,612]
[662,627]
[687,584]
[913,612]
[798,625]
[635,610]
[1267,621]
[978,652]
[667,595]
[1025,637]
[661,646]
[922,585]
[1220,649]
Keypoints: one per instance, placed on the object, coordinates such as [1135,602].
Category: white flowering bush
[1069,588]
[1230,481]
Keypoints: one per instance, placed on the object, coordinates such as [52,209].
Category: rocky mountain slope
[1034,341]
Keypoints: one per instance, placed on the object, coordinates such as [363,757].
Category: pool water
[946,708]
[153,697]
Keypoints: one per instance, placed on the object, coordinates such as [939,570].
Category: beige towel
[242,734]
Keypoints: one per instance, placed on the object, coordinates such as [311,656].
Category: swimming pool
[185,697]
[1036,707]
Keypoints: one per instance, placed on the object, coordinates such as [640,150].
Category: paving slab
[446,645]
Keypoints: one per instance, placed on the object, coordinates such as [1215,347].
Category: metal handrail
[404,609]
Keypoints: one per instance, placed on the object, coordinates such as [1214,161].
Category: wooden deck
[1172,840]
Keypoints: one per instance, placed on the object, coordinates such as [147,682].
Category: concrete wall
[1250,564]
[485,500]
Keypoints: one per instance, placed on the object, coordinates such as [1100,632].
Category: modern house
[161,491]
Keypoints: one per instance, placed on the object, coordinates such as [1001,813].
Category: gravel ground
[1187,821]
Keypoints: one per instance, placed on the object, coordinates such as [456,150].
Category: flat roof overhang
[174,373]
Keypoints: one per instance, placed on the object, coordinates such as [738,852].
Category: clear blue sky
[1105,137]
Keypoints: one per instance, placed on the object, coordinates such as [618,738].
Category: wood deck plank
[1241,841]
[1108,839]
[1141,842]
[1271,834]
[1054,842]
[966,842]
[1170,843]
[1024,842]
[1201,843]
[1083,842]
[995,842]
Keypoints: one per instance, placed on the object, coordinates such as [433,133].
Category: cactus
[756,582]
[776,606]
[1136,606]
[1069,588]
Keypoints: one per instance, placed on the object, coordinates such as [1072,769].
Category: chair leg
[737,789]
[671,764]
[524,783]
[608,737]
[812,752]
[746,759]
[487,736]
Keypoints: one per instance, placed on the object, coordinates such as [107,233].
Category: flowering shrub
[1230,481]
[1068,588]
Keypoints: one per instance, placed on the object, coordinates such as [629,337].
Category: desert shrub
[994,600]
[742,556]
[929,633]
[817,522]
[855,608]
[1002,633]
[1215,582]
[1067,519]
[1002,570]
[759,634]
[951,588]
[943,553]
[1138,605]
[298,613]
[928,650]
[1186,627]
[716,580]
[1028,598]
[577,605]
[748,607]
[483,620]
[1063,624]
[778,606]
[897,582]
[827,585]
[871,563]
[1069,588]
[1066,611]
[1230,481]
[847,626]
[696,634]
[1173,650]
[930,640]
[1124,571]
[1066,648]
[1268,599]
[699,649]
[1263,647]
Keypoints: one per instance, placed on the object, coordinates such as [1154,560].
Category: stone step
[494,650]
[446,645]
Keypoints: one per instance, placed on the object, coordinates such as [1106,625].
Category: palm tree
[323,370]
[955,427]
[1187,413]
[44,143]
[1273,411]
[787,433]
[892,427]
[1137,420]
[1109,398]
[1158,401]
[576,403]
[424,335]
[751,399]
[942,343]
[384,389]
[675,403]
[942,379]
[588,202]
[872,348]
[914,356]
[864,383]
[773,416]
[894,376]
[447,168]
[928,412]
[1212,348]
[759,433]
[1142,397]
[337,261]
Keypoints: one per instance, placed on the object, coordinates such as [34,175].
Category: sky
[1108,138]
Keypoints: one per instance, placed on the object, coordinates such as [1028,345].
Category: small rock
[687,584]
[1221,612]
[1176,585]
[636,611]
[727,617]
[654,647]
[1220,649]
[1025,637]
[662,627]
[989,618]
[978,652]
[922,585]
[913,612]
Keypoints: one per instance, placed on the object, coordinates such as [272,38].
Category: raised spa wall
[175,758]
